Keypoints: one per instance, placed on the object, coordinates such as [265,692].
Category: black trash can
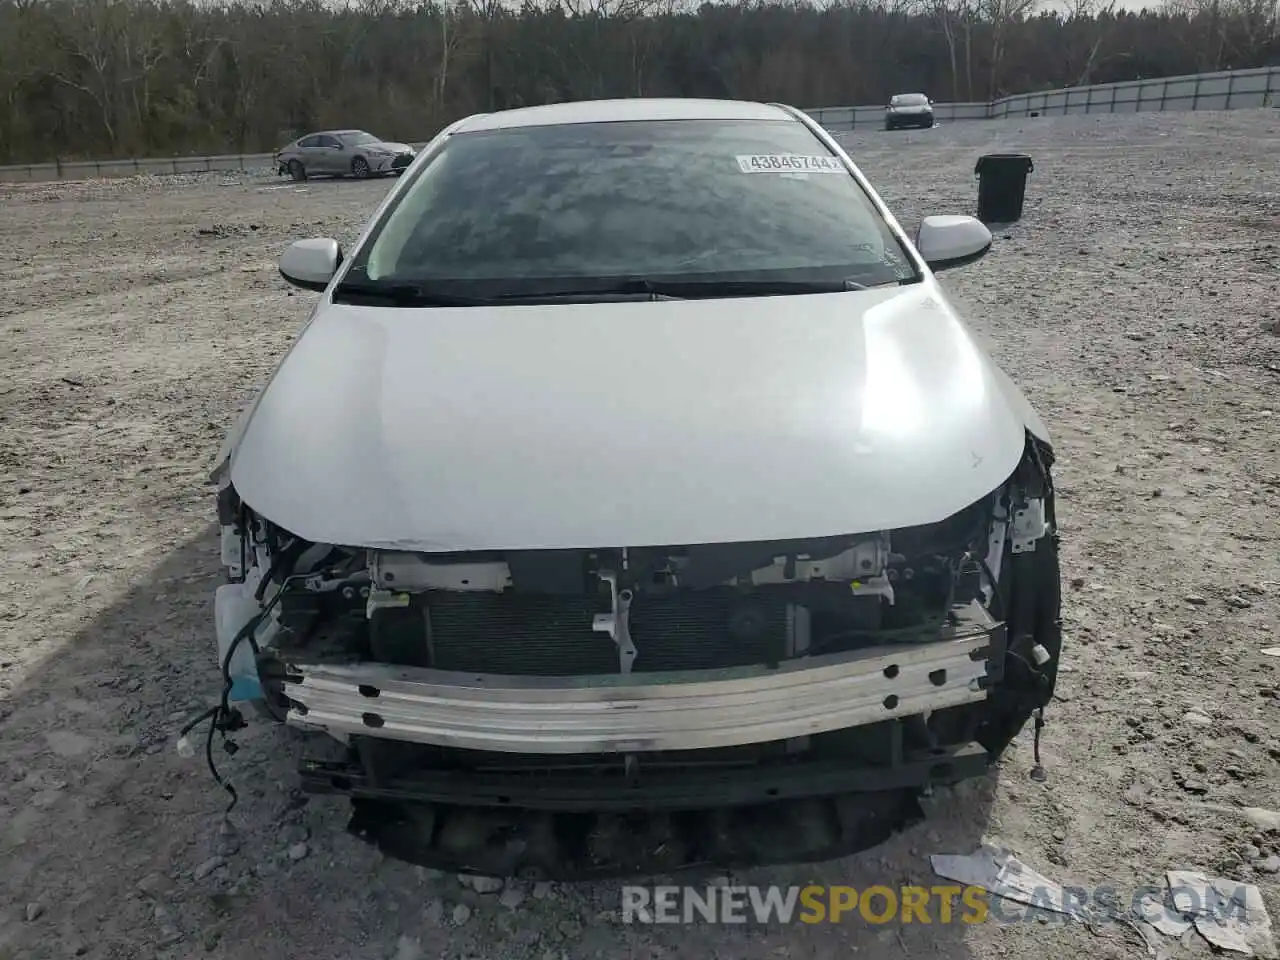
[1002,186]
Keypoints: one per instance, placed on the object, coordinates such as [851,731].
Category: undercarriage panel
[537,845]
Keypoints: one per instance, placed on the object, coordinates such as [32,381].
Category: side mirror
[311,264]
[952,241]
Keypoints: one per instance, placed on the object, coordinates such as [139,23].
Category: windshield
[358,137]
[496,212]
[909,100]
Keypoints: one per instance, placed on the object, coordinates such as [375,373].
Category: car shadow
[112,844]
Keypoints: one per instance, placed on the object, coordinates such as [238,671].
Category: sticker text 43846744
[789,163]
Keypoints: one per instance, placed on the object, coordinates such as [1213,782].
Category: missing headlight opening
[620,710]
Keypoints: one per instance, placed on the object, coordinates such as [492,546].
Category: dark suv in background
[908,110]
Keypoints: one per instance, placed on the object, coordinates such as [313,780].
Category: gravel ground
[1136,303]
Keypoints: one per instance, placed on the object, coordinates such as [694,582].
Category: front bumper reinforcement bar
[640,712]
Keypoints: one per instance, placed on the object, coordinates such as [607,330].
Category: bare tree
[1093,18]
[1000,16]
[119,77]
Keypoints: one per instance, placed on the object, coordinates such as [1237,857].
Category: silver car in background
[340,153]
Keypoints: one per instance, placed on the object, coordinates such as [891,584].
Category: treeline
[103,78]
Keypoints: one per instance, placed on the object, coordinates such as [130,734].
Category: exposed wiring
[223,718]
[207,715]
[288,555]
[1038,772]
[213,769]
[213,715]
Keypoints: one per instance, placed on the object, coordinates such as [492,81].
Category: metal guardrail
[1225,90]
[90,169]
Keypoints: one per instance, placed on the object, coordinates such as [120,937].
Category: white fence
[1227,90]
[155,166]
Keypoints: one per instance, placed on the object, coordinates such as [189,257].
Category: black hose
[223,718]
[209,714]
[995,588]
[288,555]
[213,769]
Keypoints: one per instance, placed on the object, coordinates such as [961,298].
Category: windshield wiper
[752,288]
[418,295]
[402,295]
[677,289]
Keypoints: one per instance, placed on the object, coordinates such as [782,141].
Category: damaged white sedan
[634,499]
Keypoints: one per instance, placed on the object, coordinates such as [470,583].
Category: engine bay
[611,610]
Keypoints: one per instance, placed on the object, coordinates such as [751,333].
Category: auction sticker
[789,163]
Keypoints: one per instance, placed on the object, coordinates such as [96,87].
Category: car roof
[612,111]
[329,133]
[898,95]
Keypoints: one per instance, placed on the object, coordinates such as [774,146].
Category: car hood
[628,424]
[394,147]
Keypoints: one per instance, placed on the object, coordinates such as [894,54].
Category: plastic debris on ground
[1229,914]
[1002,874]
[1157,914]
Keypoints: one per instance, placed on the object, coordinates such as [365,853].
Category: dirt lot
[1137,304]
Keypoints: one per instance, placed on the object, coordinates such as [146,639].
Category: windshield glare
[733,200]
[357,138]
[910,100]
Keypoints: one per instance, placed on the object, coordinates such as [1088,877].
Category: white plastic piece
[864,560]
[234,605]
[616,623]
[411,571]
[1029,525]
[185,749]
[1040,655]
[1001,874]
[232,547]
[1229,914]
[995,551]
